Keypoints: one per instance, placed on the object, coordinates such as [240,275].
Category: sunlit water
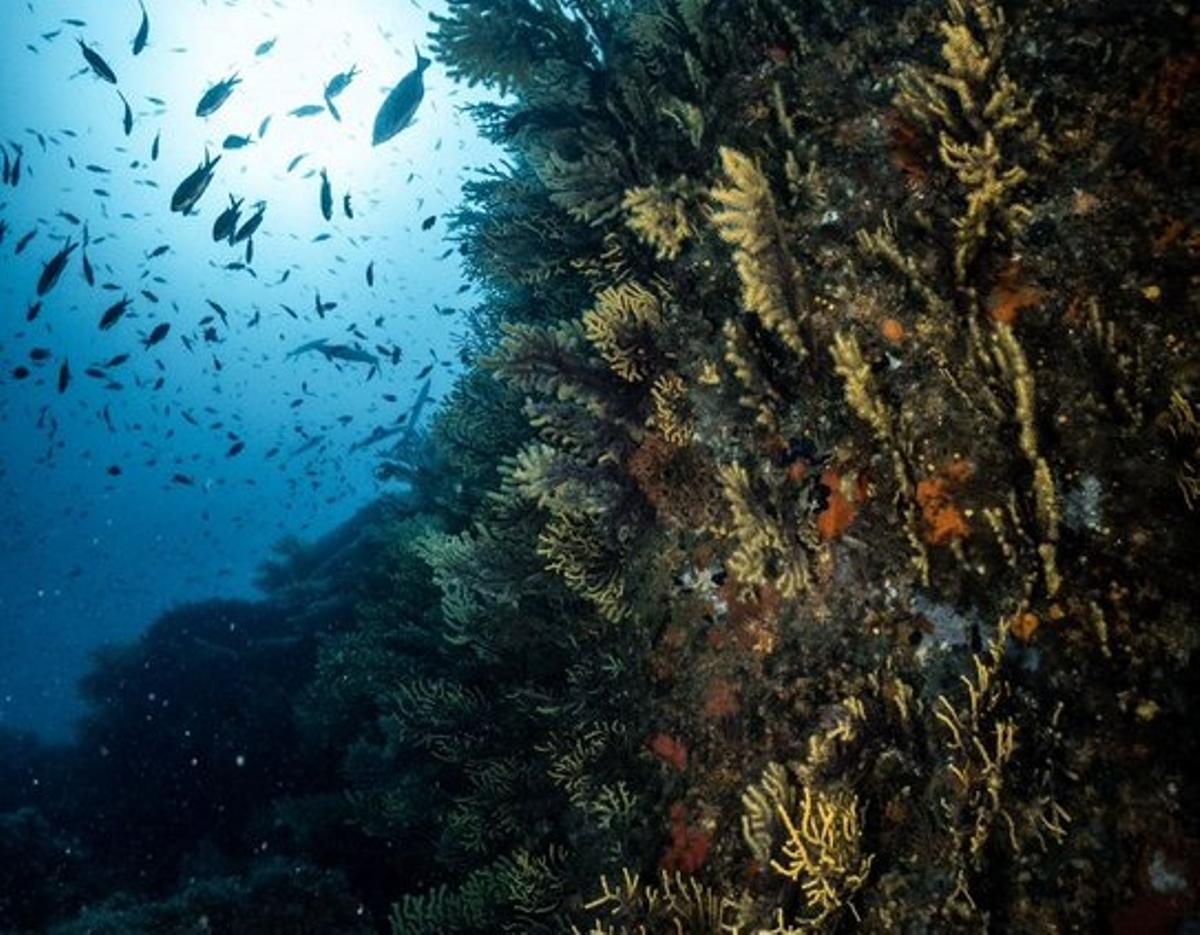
[87,556]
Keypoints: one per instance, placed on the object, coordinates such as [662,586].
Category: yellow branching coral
[760,395]
[990,189]
[669,397]
[621,325]
[571,548]
[861,393]
[1181,422]
[544,475]
[974,109]
[823,850]
[763,554]
[659,216]
[677,904]
[589,188]
[1010,358]
[747,220]
[761,804]
[539,360]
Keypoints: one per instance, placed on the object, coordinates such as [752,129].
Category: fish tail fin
[422,61]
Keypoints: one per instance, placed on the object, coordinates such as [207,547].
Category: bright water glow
[86,557]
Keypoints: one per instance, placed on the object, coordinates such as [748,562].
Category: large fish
[191,188]
[401,105]
[217,95]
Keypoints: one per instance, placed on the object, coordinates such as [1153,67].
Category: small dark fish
[224,315]
[111,316]
[160,331]
[246,231]
[326,197]
[115,361]
[401,104]
[143,33]
[54,268]
[97,64]
[225,226]
[182,480]
[127,120]
[100,170]
[250,251]
[150,296]
[218,94]
[291,311]
[69,217]
[339,82]
[235,449]
[371,273]
[429,222]
[234,141]
[20,373]
[114,470]
[262,127]
[33,311]
[77,23]
[306,110]
[154,147]
[346,209]
[425,371]
[39,355]
[295,162]
[193,187]
[89,274]
[265,47]
[64,377]
[158,251]
[24,241]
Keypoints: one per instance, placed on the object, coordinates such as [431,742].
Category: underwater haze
[90,557]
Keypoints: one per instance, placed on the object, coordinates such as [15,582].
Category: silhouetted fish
[97,64]
[160,331]
[218,94]
[143,33]
[326,197]
[127,120]
[54,268]
[193,187]
[111,316]
[401,104]
[225,225]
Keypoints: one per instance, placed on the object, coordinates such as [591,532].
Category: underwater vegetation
[802,548]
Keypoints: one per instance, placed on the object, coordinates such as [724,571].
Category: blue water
[86,557]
